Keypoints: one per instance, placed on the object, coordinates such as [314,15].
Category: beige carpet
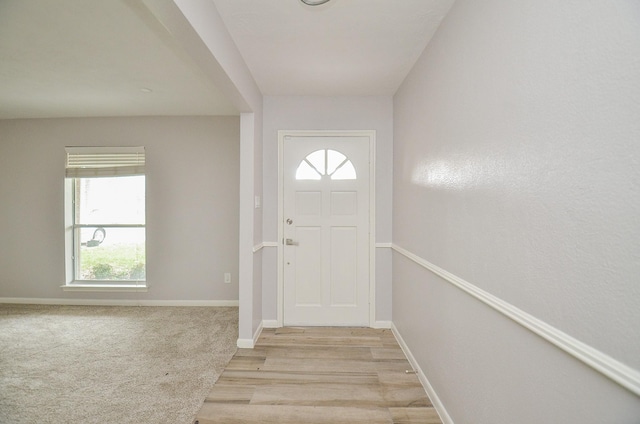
[77,364]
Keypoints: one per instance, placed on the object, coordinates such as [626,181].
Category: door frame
[371,134]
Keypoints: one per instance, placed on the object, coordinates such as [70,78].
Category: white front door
[326,230]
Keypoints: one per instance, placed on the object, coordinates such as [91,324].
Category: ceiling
[81,58]
[341,48]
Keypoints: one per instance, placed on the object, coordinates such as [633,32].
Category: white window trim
[81,287]
[71,284]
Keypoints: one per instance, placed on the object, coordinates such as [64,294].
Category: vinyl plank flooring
[313,352]
[414,416]
[275,377]
[395,396]
[214,413]
[256,352]
[224,393]
[381,353]
[391,378]
[246,363]
[313,365]
[330,394]
[320,394]
[320,341]
[318,376]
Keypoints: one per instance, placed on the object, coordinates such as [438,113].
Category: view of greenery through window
[114,261]
[110,233]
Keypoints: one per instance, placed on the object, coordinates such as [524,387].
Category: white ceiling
[344,47]
[79,58]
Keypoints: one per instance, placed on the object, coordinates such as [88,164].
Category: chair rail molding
[264,244]
[615,370]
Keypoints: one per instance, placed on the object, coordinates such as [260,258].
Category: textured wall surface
[516,168]
[192,177]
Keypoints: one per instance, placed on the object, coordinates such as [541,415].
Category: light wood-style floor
[319,376]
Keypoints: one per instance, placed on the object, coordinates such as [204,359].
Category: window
[326,162]
[105,216]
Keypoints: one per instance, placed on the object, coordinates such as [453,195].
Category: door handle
[290,242]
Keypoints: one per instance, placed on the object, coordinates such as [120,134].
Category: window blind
[83,162]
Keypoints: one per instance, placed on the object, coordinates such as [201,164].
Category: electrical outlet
[227,277]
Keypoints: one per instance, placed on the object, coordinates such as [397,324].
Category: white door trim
[371,134]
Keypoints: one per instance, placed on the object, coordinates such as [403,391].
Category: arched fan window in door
[326,162]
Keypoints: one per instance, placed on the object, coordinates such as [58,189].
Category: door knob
[290,242]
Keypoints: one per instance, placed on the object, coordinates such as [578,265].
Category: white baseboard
[273,323]
[382,324]
[250,343]
[435,400]
[116,302]
[270,323]
[245,343]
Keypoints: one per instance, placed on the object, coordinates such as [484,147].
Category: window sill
[105,287]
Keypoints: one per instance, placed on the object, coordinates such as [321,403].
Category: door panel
[326,230]
[344,270]
[309,203]
[308,286]
[344,203]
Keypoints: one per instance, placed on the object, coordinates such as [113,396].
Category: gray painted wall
[192,204]
[516,168]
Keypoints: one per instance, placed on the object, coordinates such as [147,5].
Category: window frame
[73,229]
[344,164]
